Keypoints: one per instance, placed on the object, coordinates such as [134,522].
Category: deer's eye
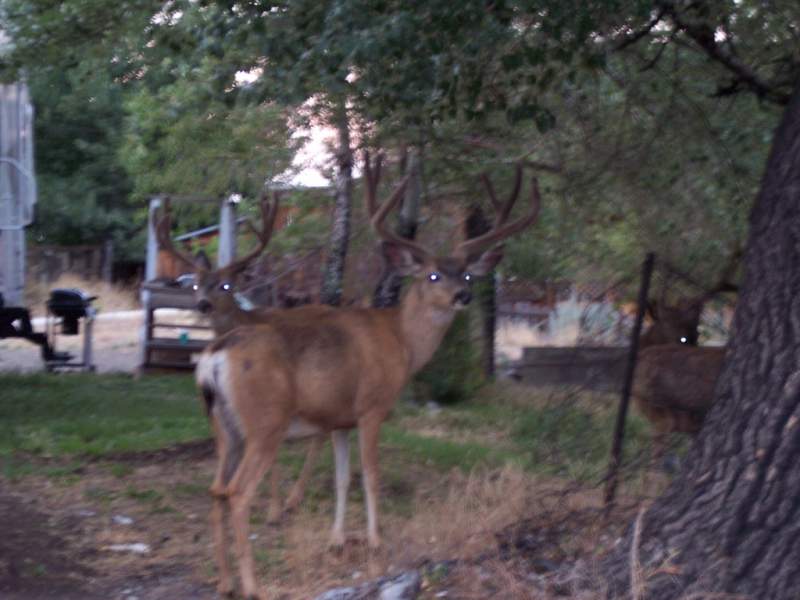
[225,287]
[195,287]
[467,277]
[434,276]
[684,340]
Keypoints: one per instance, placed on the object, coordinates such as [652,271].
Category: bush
[454,373]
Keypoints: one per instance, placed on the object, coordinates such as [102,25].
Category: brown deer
[673,385]
[331,372]
[215,293]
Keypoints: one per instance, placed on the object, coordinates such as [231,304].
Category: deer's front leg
[341,454]
[368,433]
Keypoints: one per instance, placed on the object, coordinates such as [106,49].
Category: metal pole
[619,430]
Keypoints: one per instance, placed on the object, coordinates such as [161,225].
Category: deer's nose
[204,306]
[463,297]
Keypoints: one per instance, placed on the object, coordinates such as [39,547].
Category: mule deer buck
[332,372]
[215,293]
[674,381]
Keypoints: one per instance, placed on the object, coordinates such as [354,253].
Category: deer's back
[324,365]
[674,385]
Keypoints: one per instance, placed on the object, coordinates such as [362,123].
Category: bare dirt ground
[71,536]
[70,530]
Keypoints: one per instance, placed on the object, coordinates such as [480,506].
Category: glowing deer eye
[195,287]
[684,340]
[225,286]
[434,276]
[467,277]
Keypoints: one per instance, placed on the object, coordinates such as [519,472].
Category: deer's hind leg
[259,456]
[220,501]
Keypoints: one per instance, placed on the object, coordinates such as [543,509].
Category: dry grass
[110,297]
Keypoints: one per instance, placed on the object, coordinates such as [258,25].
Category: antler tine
[502,211]
[380,228]
[163,226]
[501,230]
[269,212]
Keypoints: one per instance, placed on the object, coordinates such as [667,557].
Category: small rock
[405,586]
[121,520]
[85,514]
[136,548]
[433,408]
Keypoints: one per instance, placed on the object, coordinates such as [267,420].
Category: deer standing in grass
[215,294]
[332,372]
[673,385]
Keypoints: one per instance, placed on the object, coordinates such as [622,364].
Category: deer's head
[444,282]
[679,323]
[215,289]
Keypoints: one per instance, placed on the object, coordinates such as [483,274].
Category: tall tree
[730,521]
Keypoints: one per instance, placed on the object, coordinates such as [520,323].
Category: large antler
[372,175]
[474,247]
[163,226]
[269,212]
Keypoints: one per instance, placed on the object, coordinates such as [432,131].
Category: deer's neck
[423,327]
[223,321]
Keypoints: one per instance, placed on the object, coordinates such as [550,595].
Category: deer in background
[332,372]
[674,381]
[215,294]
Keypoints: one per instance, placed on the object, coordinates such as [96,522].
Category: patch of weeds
[15,469]
[120,470]
[65,475]
[189,490]
[445,454]
[98,494]
[161,509]
[146,496]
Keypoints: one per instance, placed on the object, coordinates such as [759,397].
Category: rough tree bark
[333,273]
[485,292]
[387,292]
[730,522]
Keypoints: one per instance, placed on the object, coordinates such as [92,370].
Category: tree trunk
[387,292]
[485,293]
[730,522]
[332,276]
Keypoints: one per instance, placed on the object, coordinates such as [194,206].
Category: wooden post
[227,231]
[619,430]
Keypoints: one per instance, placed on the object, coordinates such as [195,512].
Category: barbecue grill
[65,309]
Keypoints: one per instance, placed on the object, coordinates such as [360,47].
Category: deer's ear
[201,261]
[486,261]
[400,259]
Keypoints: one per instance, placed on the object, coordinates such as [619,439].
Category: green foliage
[180,142]
[454,373]
[86,414]
[83,188]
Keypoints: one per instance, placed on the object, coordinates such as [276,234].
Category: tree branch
[636,36]
[703,36]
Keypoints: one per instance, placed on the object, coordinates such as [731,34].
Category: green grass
[77,415]
[54,415]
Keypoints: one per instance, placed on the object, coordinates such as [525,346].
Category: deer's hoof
[225,589]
